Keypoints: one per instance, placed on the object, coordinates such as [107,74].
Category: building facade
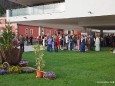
[65,14]
[6,4]
[29,30]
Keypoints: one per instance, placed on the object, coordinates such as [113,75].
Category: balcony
[39,10]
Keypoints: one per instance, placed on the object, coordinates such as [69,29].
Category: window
[26,31]
[49,8]
[31,31]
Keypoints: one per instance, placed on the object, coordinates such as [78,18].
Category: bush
[2,71]
[23,63]
[14,69]
[1,66]
[7,50]
[49,75]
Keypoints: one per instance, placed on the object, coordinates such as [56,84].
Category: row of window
[42,9]
[27,31]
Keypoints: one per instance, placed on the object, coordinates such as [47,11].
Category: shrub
[7,50]
[14,69]
[23,63]
[1,66]
[49,75]
[2,71]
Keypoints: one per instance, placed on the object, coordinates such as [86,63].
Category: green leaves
[39,52]
[2,10]
[6,39]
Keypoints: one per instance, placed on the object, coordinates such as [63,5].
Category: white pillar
[66,31]
[72,32]
[7,15]
[39,30]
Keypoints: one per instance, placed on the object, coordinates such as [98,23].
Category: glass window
[29,10]
[31,31]
[26,31]
[49,8]
[15,12]
[59,7]
[38,9]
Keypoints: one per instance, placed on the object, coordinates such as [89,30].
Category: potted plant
[39,53]
[9,53]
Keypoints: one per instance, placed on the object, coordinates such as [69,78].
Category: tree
[8,52]
[2,11]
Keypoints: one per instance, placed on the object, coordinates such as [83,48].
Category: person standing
[78,42]
[57,43]
[82,46]
[21,39]
[90,42]
[15,42]
[27,40]
[31,40]
[62,42]
[66,41]
[43,41]
[49,44]
[97,43]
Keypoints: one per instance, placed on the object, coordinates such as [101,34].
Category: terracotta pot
[39,74]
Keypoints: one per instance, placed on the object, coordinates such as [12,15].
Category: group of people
[108,40]
[21,40]
[71,42]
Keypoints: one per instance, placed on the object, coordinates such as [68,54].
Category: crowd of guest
[21,41]
[69,42]
[108,41]
[77,42]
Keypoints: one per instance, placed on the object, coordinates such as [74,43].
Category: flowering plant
[23,63]
[2,71]
[39,52]
[14,69]
[49,75]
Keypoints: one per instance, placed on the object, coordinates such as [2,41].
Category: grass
[72,69]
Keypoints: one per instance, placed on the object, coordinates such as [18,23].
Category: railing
[42,9]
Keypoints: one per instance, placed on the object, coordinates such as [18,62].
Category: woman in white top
[43,40]
[97,44]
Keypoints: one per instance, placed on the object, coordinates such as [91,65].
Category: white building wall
[81,8]
[74,8]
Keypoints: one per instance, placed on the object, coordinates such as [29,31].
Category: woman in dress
[97,44]
[82,46]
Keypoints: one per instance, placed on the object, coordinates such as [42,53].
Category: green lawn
[72,69]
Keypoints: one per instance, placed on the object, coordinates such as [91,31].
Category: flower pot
[39,74]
